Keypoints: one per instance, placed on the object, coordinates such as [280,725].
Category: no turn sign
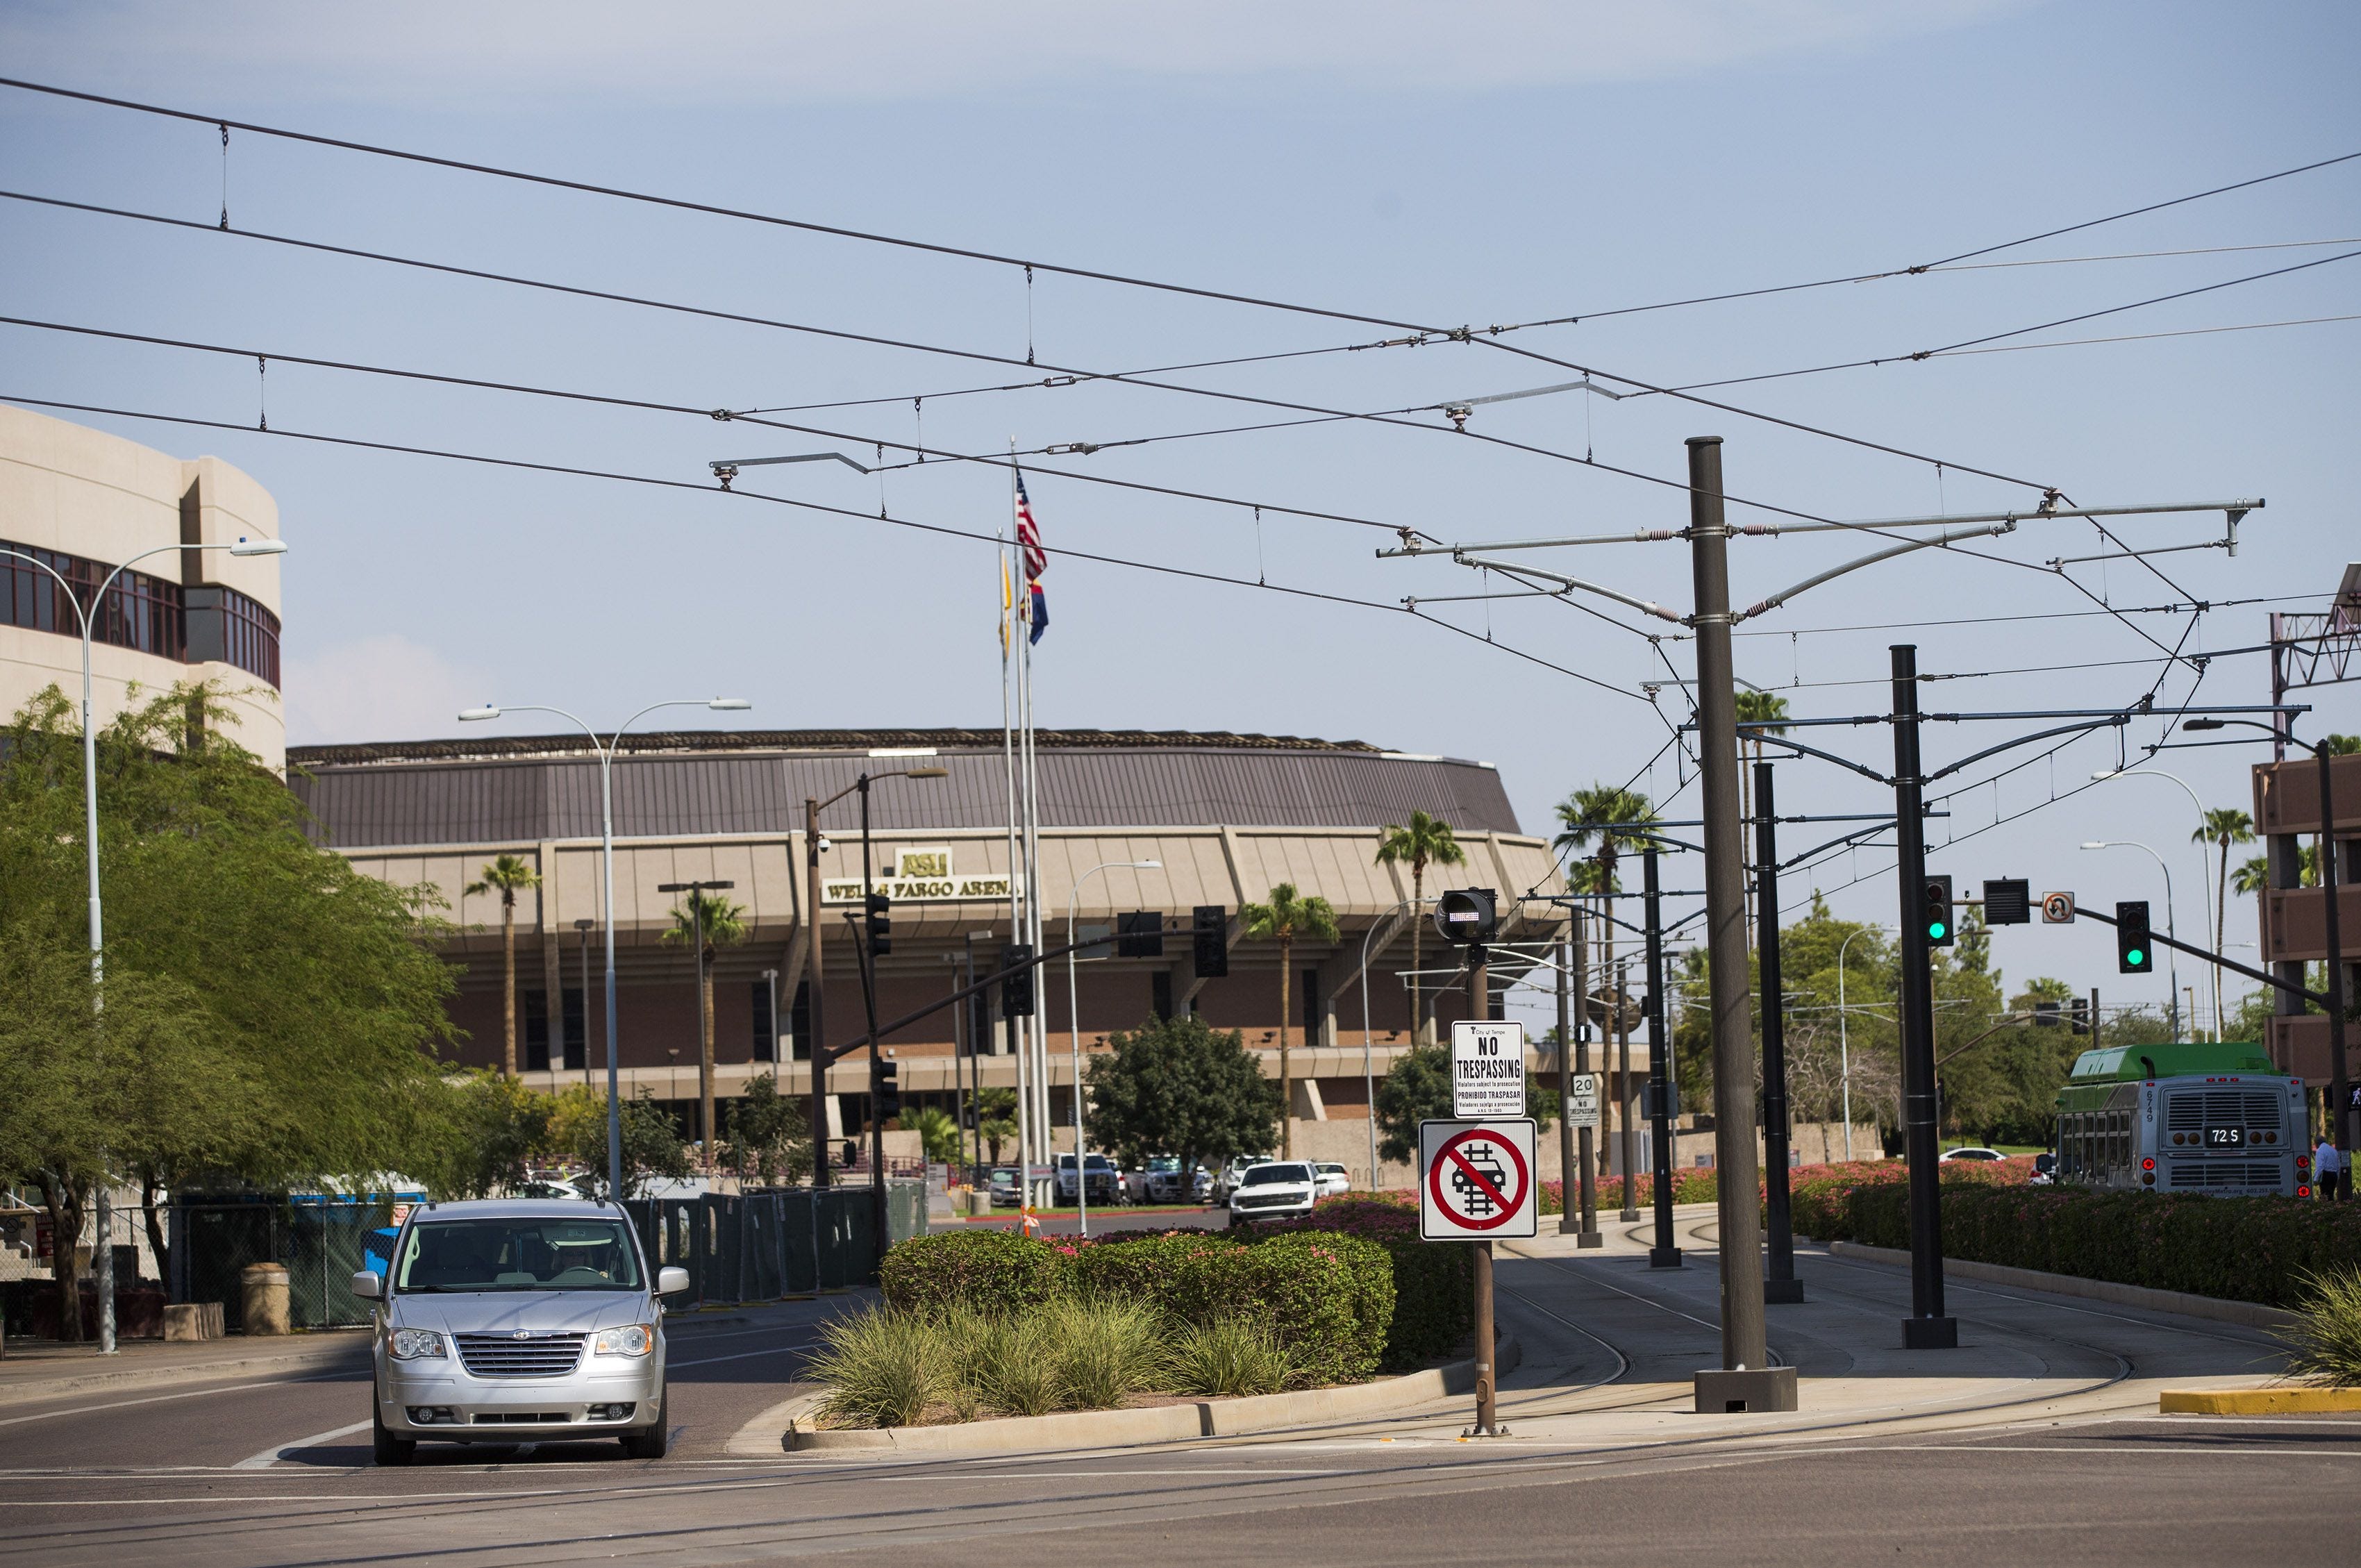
[1476,1180]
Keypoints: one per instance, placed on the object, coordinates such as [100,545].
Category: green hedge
[985,1266]
[1435,1282]
[1690,1185]
[2239,1249]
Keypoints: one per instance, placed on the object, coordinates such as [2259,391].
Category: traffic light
[1140,935]
[886,1091]
[1942,930]
[2135,952]
[1016,990]
[1209,941]
[2078,1011]
[881,925]
[1467,916]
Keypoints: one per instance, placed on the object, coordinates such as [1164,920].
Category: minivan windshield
[1273,1175]
[452,1256]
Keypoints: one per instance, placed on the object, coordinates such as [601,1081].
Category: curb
[2258,1401]
[1123,1429]
[353,1349]
[2252,1314]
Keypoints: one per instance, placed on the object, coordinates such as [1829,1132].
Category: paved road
[2034,1443]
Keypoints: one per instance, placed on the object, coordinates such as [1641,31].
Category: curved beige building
[85,502]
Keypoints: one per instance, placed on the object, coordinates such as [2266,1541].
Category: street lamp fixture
[104,1271]
[2340,1083]
[606,750]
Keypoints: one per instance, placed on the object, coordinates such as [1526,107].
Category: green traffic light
[1934,930]
[2136,956]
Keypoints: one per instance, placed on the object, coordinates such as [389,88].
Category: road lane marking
[736,1355]
[269,1456]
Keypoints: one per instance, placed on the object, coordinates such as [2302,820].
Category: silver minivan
[518,1320]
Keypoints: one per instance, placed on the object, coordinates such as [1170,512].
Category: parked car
[531,1320]
[1226,1183]
[1283,1189]
[1105,1180]
[1334,1178]
[1163,1182]
[1002,1185]
[1972,1154]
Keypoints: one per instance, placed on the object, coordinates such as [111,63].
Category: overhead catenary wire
[657,481]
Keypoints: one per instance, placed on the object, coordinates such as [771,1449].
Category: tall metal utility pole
[696,905]
[1582,1218]
[1627,1134]
[1744,1349]
[1487,1417]
[812,992]
[1779,1281]
[1927,1328]
[1664,1254]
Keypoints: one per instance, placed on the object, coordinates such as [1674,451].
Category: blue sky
[1480,164]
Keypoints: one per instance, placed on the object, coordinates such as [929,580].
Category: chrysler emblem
[522,1333]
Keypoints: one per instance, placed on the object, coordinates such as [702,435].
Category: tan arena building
[1228,816]
[86,502]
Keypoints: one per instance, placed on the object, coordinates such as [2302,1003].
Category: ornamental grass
[2324,1342]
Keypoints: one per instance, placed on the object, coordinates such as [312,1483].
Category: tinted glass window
[1271,1175]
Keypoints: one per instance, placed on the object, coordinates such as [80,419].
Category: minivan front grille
[532,1355]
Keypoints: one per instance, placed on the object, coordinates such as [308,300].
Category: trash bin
[263,1294]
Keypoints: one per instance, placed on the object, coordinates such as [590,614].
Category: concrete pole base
[1589,1239]
[1631,1216]
[1782,1292]
[1930,1333]
[1664,1258]
[1769,1388]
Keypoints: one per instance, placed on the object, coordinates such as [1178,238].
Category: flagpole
[1016,1026]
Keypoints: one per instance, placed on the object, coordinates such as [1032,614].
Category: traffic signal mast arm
[838,1053]
[2084,913]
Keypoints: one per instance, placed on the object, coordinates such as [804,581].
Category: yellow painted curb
[2258,1401]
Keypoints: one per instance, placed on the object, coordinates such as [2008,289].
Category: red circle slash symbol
[1469,1182]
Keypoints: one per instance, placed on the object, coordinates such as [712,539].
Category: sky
[1402,166]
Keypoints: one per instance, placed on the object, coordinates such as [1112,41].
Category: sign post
[1475,1183]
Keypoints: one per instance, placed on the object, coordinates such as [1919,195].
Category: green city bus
[2189,1118]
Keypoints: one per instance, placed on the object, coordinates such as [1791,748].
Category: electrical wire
[2045,615]
[655,481]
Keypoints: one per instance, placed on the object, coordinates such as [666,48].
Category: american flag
[1037,561]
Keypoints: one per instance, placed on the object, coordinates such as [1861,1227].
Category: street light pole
[697,912]
[1844,1036]
[2203,885]
[102,1255]
[2172,960]
[606,750]
[1074,1032]
[1369,1069]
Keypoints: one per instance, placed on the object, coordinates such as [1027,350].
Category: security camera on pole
[1476,1175]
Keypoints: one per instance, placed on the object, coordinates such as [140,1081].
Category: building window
[141,611]
[536,1031]
[800,1022]
[577,1028]
[1160,993]
[766,1039]
[225,626]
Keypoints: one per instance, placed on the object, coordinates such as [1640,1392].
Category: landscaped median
[1145,1331]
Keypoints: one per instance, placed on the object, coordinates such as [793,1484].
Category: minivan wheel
[650,1444]
[389,1449]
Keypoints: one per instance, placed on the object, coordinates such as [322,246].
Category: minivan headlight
[412,1344]
[636,1340]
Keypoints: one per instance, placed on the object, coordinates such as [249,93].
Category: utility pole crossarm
[1764,607]
[1514,568]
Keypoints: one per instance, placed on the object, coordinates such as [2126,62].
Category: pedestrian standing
[2328,1171]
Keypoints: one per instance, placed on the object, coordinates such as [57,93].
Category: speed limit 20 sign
[1476,1180]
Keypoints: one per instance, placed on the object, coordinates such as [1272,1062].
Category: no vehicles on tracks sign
[1476,1180]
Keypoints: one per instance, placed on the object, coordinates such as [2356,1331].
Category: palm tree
[1602,814]
[1425,839]
[995,1111]
[1764,708]
[510,876]
[724,925]
[2222,828]
[1287,918]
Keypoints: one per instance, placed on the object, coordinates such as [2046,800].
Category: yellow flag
[1008,603]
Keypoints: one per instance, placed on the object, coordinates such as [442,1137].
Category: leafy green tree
[996,1111]
[1426,840]
[508,876]
[1174,1086]
[652,1147]
[502,1132]
[723,924]
[271,1014]
[1286,919]
[770,1132]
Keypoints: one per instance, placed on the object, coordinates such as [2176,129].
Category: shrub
[2324,1342]
[1230,1356]
[885,1367]
[1694,1184]
[1434,1304]
[1105,1351]
[1010,1364]
[989,1269]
